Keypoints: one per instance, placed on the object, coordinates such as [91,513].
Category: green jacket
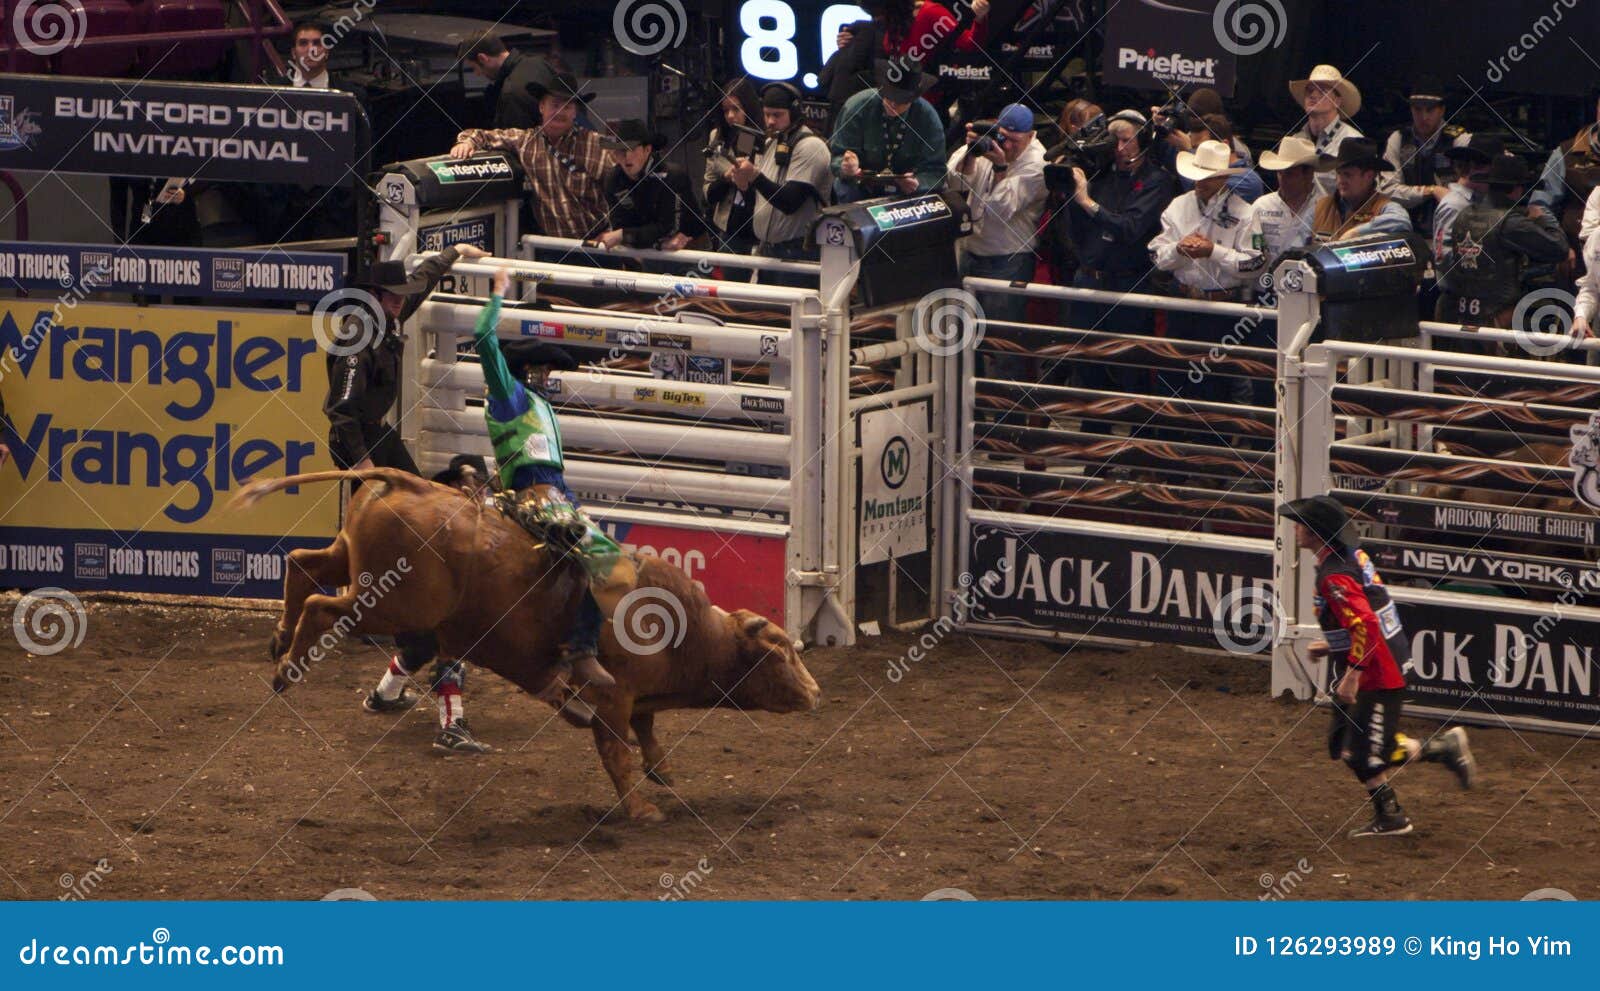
[860,128]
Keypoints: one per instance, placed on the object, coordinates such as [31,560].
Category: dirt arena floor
[154,762]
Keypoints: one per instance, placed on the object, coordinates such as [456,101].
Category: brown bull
[416,557]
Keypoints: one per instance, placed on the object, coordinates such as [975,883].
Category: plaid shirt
[568,196]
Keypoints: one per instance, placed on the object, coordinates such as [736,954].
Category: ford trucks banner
[79,269]
[192,130]
[131,427]
[1179,44]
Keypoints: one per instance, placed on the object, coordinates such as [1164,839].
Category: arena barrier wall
[130,428]
[724,478]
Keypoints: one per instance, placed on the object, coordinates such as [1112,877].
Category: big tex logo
[148,414]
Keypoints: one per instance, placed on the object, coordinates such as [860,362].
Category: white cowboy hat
[1349,96]
[1212,158]
[1291,151]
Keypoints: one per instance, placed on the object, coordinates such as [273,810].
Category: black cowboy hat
[1426,89]
[1358,152]
[531,352]
[1506,171]
[1482,148]
[391,276]
[551,82]
[629,134]
[1322,515]
[901,79]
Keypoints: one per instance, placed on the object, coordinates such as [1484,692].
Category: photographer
[1113,217]
[888,139]
[1002,173]
[789,179]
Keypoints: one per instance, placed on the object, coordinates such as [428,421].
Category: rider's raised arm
[496,376]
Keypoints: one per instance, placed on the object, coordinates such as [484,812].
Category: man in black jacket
[649,203]
[1492,244]
[364,369]
[516,81]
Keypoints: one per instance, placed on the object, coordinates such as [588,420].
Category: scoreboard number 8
[769,50]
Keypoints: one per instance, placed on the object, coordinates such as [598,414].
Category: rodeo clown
[527,451]
[1366,647]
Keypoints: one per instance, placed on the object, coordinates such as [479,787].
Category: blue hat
[1016,117]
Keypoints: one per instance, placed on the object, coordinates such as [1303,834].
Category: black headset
[795,96]
[796,121]
[1145,135]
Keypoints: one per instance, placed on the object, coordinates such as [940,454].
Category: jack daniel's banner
[191,130]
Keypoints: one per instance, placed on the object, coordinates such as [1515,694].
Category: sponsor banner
[1166,44]
[1122,587]
[696,368]
[129,421]
[146,561]
[1498,662]
[192,130]
[894,482]
[476,231]
[909,213]
[490,168]
[1486,568]
[70,272]
[739,571]
[1385,254]
[1485,521]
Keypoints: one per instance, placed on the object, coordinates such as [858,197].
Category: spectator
[1006,194]
[1330,101]
[1283,219]
[1206,243]
[1571,172]
[1113,218]
[1356,207]
[737,136]
[650,203]
[923,30]
[1472,165]
[565,164]
[1076,114]
[1205,102]
[1245,183]
[1591,216]
[888,129]
[1584,315]
[516,81]
[1421,154]
[790,179]
[849,70]
[1492,243]
[297,212]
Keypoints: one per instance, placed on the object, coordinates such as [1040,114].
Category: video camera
[1175,115]
[746,140]
[1092,149]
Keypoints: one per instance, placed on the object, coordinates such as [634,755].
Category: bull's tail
[254,492]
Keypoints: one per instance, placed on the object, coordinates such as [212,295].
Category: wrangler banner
[131,427]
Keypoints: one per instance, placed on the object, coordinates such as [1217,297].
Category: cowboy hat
[562,84]
[531,352]
[901,80]
[1426,90]
[1349,96]
[1211,159]
[1358,152]
[391,276]
[1506,171]
[1291,151]
[1322,515]
[629,134]
[1481,148]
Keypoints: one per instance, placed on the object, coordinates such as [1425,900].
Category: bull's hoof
[276,646]
[660,776]
[278,684]
[645,812]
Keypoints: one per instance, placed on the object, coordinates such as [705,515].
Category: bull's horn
[754,625]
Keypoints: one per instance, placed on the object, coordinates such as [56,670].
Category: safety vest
[1478,265]
[532,439]
[1431,169]
[1359,567]
[1327,225]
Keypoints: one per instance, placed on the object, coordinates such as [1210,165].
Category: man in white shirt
[1006,195]
[1330,101]
[1206,243]
[1584,310]
[1282,219]
[1591,216]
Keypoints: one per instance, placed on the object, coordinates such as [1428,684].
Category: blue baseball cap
[1015,117]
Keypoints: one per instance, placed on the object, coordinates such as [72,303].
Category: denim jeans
[1002,306]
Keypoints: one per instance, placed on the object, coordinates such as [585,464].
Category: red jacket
[1342,598]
